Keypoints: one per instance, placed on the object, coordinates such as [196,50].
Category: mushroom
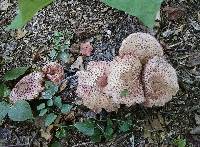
[91,83]
[29,87]
[142,45]
[124,75]
[160,82]
[54,72]
[86,49]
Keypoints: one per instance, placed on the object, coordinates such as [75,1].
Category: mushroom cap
[86,49]
[91,83]
[54,72]
[125,74]
[28,87]
[142,45]
[160,82]
[96,100]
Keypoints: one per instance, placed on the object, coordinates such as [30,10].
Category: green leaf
[50,118]
[50,103]
[86,127]
[16,23]
[180,142]
[125,126]
[56,144]
[66,108]
[108,130]
[96,137]
[124,93]
[4,108]
[43,112]
[61,133]
[145,10]
[4,90]
[58,102]
[53,54]
[50,90]
[63,56]
[20,111]
[15,73]
[27,9]
[41,106]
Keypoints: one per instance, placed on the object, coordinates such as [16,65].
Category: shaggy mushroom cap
[142,45]
[160,82]
[125,75]
[91,83]
[28,87]
[96,100]
[54,72]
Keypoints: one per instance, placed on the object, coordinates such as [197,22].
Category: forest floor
[178,30]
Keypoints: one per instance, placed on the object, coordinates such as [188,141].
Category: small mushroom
[29,87]
[54,72]
[142,45]
[160,82]
[86,49]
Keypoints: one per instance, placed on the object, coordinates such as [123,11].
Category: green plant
[21,110]
[61,45]
[15,73]
[27,9]
[53,106]
[145,10]
[10,75]
[179,142]
[99,129]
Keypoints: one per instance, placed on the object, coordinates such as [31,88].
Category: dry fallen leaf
[46,134]
[70,116]
[75,48]
[174,13]
[63,85]
[78,64]
[20,34]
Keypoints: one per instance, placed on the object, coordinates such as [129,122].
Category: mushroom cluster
[30,86]
[139,75]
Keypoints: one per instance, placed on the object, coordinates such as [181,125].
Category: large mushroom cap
[90,86]
[125,75]
[96,100]
[28,87]
[54,72]
[160,82]
[142,45]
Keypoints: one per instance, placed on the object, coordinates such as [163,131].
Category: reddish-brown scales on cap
[107,85]
[160,82]
[90,86]
[86,48]
[142,45]
[125,75]
[54,72]
[97,100]
[28,87]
